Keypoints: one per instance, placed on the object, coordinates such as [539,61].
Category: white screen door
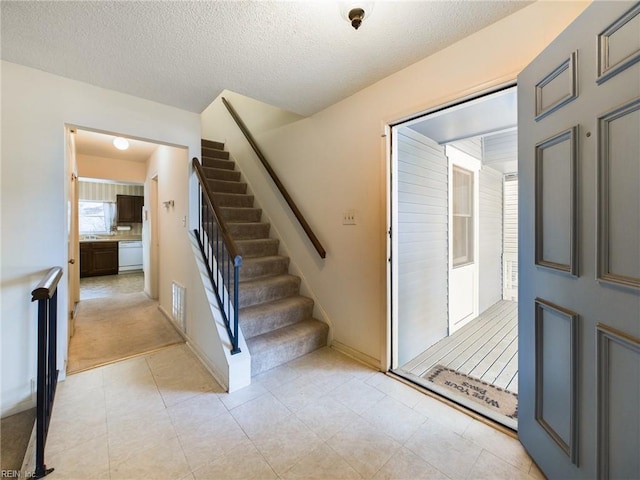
[579,252]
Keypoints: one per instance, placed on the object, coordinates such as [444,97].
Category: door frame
[390,354]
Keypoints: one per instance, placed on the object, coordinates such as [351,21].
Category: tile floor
[162,416]
[109,285]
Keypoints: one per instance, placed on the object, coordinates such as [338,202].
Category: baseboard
[356,355]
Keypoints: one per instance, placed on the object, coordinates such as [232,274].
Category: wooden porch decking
[485,348]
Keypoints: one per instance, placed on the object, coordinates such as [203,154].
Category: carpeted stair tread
[285,344]
[221,174]
[211,144]
[233,199]
[248,230]
[226,186]
[267,289]
[258,247]
[265,317]
[214,153]
[218,163]
[241,214]
[265,266]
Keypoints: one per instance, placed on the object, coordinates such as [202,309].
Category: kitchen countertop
[112,238]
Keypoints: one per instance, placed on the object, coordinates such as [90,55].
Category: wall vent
[178,305]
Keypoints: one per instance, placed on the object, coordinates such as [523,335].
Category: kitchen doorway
[453,294]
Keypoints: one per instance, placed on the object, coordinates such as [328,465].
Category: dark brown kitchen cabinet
[129,208]
[98,258]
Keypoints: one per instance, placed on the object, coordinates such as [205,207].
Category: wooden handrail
[47,285]
[283,191]
[231,246]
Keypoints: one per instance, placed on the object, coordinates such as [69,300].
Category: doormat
[494,398]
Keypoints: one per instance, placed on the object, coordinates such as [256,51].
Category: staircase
[277,322]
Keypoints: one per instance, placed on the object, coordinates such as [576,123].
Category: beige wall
[336,160]
[36,107]
[90,166]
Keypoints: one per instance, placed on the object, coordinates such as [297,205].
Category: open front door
[579,255]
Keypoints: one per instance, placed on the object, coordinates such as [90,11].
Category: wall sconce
[355,12]
[167,204]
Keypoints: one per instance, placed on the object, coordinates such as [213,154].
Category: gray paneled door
[579,255]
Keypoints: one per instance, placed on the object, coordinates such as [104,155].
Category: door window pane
[463,221]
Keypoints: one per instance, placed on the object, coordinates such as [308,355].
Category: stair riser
[216,163]
[250,271]
[223,186]
[214,153]
[286,351]
[233,200]
[262,323]
[258,249]
[248,231]
[268,293]
[219,174]
[212,144]
[231,214]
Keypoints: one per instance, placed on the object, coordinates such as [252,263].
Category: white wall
[36,106]
[335,160]
[490,237]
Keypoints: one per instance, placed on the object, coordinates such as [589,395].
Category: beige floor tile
[274,378]
[446,450]
[490,467]
[326,417]
[323,463]
[406,465]
[396,389]
[286,443]
[132,396]
[364,447]
[356,395]
[394,418]
[81,381]
[76,424]
[196,411]
[160,461]
[438,411]
[135,430]
[87,460]
[212,439]
[298,393]
[244,395]
[260,414]
[505,447]
[247,464]
[134,370]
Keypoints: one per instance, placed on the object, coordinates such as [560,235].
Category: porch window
[463,220]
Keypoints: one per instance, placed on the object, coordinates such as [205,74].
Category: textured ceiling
[300,56]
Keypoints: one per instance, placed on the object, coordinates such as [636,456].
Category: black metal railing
[46,294]
[221,256]
[276,180]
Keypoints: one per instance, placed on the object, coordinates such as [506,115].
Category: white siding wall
[490,257]
[422,244]
[511,238]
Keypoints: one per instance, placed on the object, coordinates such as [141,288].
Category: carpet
[494,398]
[16,433]
[118,327]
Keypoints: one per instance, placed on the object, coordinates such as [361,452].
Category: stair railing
[221,256]
[283,191]
[46,294]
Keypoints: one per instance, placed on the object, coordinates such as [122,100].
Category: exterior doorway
[454,269]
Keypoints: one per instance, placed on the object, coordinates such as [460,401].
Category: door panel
[579,255]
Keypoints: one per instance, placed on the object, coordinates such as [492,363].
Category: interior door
[73,244]
[579,255]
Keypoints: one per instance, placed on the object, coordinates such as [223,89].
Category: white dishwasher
[129,255]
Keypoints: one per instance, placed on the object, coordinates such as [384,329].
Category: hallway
[323,415]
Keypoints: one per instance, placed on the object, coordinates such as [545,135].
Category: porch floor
[485,348]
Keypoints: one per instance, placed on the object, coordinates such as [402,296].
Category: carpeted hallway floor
[112,328]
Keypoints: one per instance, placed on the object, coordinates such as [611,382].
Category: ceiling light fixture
[355,12]
[121,143]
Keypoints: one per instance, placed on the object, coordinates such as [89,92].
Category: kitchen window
[95,217]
